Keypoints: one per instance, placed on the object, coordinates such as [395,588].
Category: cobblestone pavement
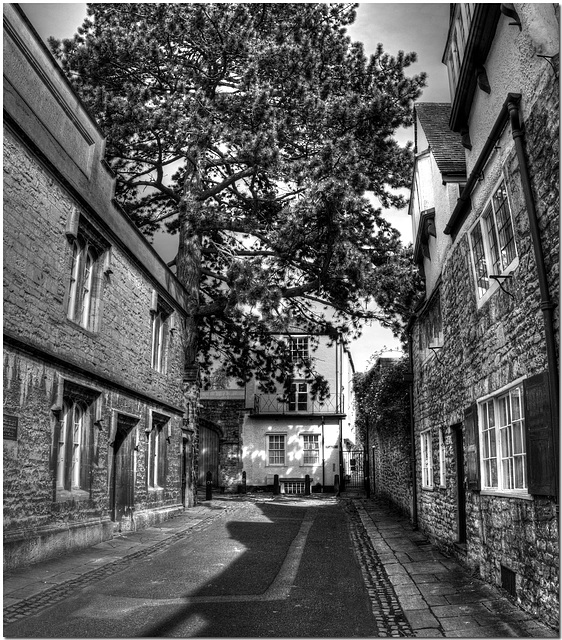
[389,616]
[437,596]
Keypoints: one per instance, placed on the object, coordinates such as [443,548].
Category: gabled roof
[444,144]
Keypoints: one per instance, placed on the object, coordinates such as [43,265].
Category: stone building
[261,436]
[485,338]
[94,434]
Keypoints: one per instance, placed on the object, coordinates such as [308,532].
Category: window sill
[428,488]
[88,331]
[495,286]
[63,495]
[521,495]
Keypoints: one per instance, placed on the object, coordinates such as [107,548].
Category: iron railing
[272,404]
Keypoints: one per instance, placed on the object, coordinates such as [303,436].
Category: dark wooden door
[461,498]
[123,494]
[208,455]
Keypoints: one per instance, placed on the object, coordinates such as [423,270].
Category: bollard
[276,485]
[307,485]
[244,482]
[337,484]
[209,486]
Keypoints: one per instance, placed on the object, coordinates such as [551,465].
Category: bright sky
[418,27]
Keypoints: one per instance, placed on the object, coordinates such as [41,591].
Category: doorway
[461,497]
[123,468]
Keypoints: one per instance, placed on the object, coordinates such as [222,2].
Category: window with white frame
[298,397]
[311,449]
[502,448]
[276,449]
[156,451]
[442,459]
[298,346]
[426,459]
[492,241]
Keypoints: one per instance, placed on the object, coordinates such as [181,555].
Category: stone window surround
[162,326]
[88,247]
[158,434]
[70,393]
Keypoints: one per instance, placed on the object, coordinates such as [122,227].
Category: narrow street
[261,567]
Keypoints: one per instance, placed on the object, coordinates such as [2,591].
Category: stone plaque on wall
[10,427]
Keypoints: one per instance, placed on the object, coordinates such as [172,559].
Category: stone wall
[49,181]
[228,414]
[388,409]
[486,347]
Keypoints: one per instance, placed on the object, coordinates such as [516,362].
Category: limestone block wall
[37,266]
[52,189]
[228,414]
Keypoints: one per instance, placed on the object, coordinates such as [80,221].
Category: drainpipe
[412,425]
[547,306]
[323,460]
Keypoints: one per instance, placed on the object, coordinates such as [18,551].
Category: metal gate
[353,469]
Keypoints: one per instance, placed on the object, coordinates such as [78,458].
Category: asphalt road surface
[270,569]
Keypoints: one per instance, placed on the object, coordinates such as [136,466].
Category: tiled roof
[444,144]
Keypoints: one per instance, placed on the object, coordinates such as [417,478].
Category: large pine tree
[254,131]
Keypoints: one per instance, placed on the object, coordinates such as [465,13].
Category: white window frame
[307,440]
[281,437]
[484,256]
[299,347]
[426,449]
[442,459]
[503,452]
[298,397]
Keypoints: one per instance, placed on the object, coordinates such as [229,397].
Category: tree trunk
[189,274]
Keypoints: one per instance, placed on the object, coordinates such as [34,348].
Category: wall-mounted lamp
[99,424]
